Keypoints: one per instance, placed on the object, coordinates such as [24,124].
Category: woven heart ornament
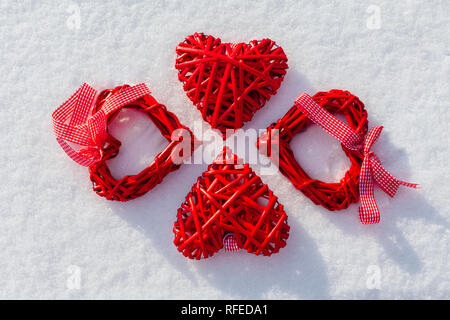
[230,202]
[229,82]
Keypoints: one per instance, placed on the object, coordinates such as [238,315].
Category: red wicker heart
[333,196]
[229,82]
[133,186]
[229,198]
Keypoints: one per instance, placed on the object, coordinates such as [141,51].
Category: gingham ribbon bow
[72,123]
[371,169]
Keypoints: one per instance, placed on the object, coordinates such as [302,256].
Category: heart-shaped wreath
[72,124]
[333,196]
[366,168]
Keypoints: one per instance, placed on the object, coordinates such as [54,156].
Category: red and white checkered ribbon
[230,243]
[72,123]
[371,169]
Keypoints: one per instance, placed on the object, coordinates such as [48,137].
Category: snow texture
[58,239]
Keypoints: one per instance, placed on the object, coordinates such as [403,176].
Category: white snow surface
[54,230]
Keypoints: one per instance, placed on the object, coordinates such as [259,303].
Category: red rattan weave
[230,198]
[333,196]
[133,186]
[229,82]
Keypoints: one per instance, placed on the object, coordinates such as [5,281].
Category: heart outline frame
[332,196]
[133,186]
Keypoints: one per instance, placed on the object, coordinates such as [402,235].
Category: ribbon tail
[409,184]
[368,210]
[369,216]
[385,180]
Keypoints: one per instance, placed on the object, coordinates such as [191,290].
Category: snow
[60,240]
